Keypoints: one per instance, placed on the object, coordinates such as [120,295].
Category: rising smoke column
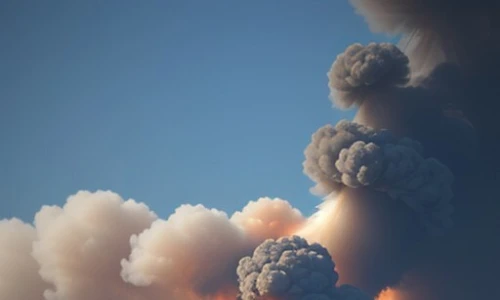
[374,79]
[453,47]
[453,51]
[290,268]
[365,171]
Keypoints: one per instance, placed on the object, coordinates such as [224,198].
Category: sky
[166,102]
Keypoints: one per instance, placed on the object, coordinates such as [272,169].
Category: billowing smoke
[453,48]
[435,31]
[449,107]
[79,246]
[195,249]
[290,268]
[360,70]
[366,232]
[99,246]
[268,218]
[422,112]
[205,244]
[355,156]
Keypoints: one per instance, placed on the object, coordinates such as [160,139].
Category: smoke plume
[448,106]
[101,247]
[435,31]
[361,69]
[355,156]
[290,268]
[453,50]
[421,152]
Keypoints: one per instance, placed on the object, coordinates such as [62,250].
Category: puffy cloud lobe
[79,246]
[206,245]
[195,250]
[361,164]
[356,156]
[19,278]
[287,268]
[324,150]
[99,246]
[268,218]
[360,69]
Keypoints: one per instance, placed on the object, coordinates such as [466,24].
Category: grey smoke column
[354,155]
[290,268]
[361,69]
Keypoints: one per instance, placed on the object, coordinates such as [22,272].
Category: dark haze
[450,106]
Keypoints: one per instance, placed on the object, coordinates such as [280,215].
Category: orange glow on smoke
[226,294]
[223,297]
[388,294]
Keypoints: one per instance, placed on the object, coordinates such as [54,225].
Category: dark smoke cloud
[354,155]
[324,150]
[362,69]
[436,31]
[290,268]
[450,107]
[453,48]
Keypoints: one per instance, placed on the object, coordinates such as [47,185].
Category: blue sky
[165,102]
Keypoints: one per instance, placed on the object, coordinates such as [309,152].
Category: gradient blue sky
[165,102]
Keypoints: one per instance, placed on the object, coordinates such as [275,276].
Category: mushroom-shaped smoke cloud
[354,155]
[290,268]
[361,69]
